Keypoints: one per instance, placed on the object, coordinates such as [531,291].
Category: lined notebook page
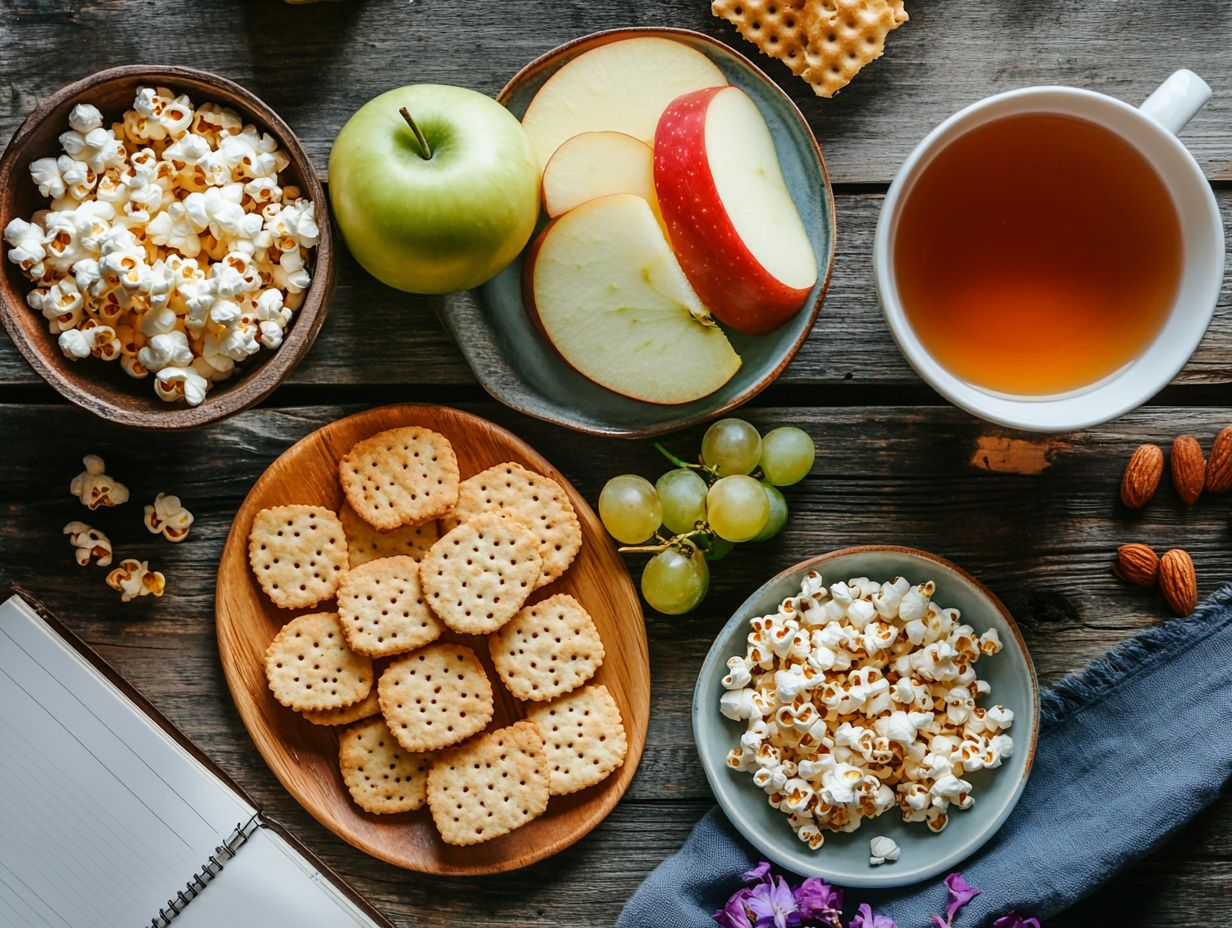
[103,816]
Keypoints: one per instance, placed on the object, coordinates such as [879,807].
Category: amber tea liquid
[1037,254]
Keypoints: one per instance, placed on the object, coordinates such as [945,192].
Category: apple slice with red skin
[729,214]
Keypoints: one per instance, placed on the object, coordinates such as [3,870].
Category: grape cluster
[696,513]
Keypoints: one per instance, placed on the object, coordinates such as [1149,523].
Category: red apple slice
[729,214]
[595,164]
[603,285]
[622,86]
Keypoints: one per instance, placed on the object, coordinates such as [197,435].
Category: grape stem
[680,462]
[664,544]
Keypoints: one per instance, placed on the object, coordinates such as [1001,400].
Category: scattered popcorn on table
[134,578]
[883,850]
[861,697]
[170,244]
[168,517]
[89,542]
[94,488]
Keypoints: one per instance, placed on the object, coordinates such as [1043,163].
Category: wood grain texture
[304,757]
[1042,543]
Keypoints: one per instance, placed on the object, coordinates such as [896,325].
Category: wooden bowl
[304,756]
[103,388]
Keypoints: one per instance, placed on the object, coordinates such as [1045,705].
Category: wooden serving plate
[304,756]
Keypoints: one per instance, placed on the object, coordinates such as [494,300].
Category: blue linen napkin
[1129,750]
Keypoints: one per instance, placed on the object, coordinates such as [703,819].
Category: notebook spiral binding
[212,867]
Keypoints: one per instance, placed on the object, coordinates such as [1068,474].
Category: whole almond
[1188,468]
[1142,473]
[1178,581]
[1219,464]
[1137,564]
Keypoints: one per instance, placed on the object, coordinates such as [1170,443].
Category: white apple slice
[596,164]
[604,287]
[730,216]
[623,86]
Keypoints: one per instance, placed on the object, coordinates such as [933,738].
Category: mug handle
[1176,100]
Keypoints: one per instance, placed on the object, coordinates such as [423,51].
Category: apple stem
[424,151]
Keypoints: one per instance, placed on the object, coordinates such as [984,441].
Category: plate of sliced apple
[685,242]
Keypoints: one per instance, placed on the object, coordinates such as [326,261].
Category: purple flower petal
[758,873]
[772,905]
[819,901]
[1014,920]
[734,914]
[864,918]
[960,895]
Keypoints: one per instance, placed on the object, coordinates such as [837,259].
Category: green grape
[719,549]
[732,446]
[683,494]
[737,508]
[778,512]
[787,456]
[630,509]
[676,580]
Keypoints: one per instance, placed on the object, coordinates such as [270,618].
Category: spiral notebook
[111,818]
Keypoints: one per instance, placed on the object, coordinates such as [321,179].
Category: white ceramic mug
[1151,129]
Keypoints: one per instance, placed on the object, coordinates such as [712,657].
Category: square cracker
[365,543]
[585,738]
[776,27]
[842,36]
[298,554]
[381,777]
[489,786]
[400,477]
[479,574]
[382,608]
[536,501]
[365,708]
[435,697]
[309,666]
[547,649]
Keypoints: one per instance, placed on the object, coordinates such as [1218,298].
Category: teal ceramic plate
[518,366]
[843,859]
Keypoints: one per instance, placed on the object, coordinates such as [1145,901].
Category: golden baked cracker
[537,501]
[400,477]
[547,649]
[585,738]
[309,665]
[489,786]
[366,543]
[381,777]
[843,36]
[382,608]
[479,574]
[366,707]
[298,554]
[776,27]
[435,697]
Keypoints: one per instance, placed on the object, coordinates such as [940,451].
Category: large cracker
[400,477]
[585,738]
[381,777]
[479,574]
[298,554]
[547,649]
[776,27]
[533,499]
[843,36]
[310,667]
[369,706]
[382,608]
[489,786]
[435,697]
[365,543]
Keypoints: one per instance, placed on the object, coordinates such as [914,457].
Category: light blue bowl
[517,365]
[843,859]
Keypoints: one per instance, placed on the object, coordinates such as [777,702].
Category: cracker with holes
[547,649]
[365,543]
[480,573]
[365,708]
[298,554]
[537,501]
[310,667]
[435,697]
[585,738]
[400,477]
[383,610]
[489,786]
[381,777]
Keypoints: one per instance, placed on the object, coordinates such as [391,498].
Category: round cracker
[298,554]
[382,608]
[381,777]
[547,649]
[365,708]
[585,738]
[435,697]
[365,543]
[400,477]
[310,667]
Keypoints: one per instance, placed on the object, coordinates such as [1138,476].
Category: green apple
[435,188]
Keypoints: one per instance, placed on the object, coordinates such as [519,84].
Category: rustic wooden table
[895,464]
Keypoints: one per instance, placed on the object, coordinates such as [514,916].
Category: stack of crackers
[826,42]
[420,562]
